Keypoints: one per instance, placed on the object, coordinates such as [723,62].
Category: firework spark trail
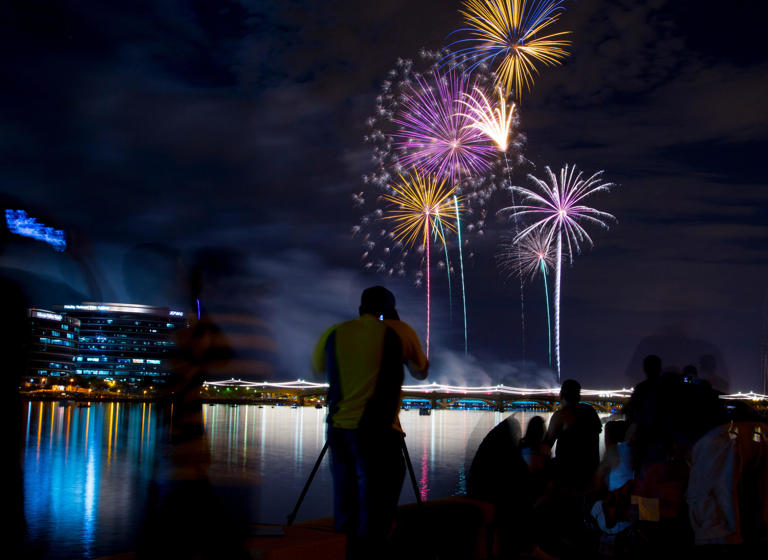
[522,291]
[549,321]
[524,258]
[461,262]
[496,123]
[558,274]
[557,206]
[429,288]
[447,267]
[417,199]
[511,31]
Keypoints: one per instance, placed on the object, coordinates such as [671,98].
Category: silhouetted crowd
[683,471]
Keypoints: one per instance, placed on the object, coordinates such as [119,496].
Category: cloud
[455,368]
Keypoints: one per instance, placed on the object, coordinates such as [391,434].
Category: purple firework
[433,135]
[558,207]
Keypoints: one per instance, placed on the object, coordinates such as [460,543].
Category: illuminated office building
[125,342]
[53,344]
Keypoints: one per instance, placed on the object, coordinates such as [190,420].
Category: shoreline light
[434,387]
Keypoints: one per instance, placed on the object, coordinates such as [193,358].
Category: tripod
[409,465]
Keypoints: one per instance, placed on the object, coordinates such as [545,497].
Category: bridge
[438,396]
[432,395]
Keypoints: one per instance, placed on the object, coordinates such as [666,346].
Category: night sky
[152,130]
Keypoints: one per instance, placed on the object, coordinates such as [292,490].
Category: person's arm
[416,371]
[415,360]
[413,356]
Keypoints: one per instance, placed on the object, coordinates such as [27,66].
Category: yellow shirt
[363,360]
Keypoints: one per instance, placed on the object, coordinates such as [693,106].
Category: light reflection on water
[85,474]
[87,470]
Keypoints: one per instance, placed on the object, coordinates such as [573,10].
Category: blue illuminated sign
[21,224]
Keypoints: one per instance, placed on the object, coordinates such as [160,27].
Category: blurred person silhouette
[185,518]
[727,491]
[615,469]
[536,453]
[693,408]
[233,299]
[14,345]
[678,348]
[153,274]
[666,416]
[363,361]
[497,466]
[537,456]
[642,412]
[575,427]
[499,475]
[709,372]
[691,375]
[611,513]
[80,249]
[17,292]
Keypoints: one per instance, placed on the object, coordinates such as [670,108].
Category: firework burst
[421,206]
[513,32]
[527,256]
[557,206]
[404,138]
[494,122]
[416,201]
[393,153]
[434,136]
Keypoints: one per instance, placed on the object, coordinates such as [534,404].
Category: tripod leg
[411,472]
[292,515]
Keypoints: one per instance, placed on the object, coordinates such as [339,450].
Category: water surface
[88,470]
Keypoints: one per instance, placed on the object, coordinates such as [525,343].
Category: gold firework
[511,30]
[418,201]
[495,123]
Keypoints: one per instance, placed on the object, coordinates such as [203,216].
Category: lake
[88,470]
